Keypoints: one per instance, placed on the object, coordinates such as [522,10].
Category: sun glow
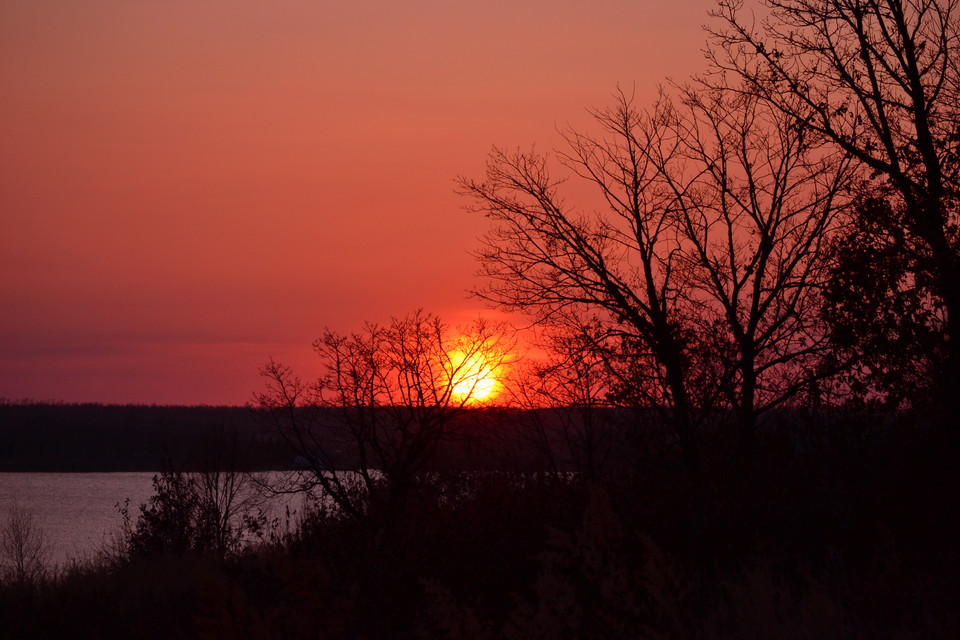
[473,378]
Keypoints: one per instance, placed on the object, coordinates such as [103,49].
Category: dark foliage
[883,312]
[173,521]
[843,530]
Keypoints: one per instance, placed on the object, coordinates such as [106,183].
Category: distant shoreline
[96,438]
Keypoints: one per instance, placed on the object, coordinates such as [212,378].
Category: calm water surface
[77,511]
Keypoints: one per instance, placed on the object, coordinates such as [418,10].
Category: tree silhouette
[567,397]
[24,548]
[755,208]
[705,264]
[386,399]
[879,80]
[546,258]
[882,313]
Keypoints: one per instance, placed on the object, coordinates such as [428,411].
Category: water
[77,511]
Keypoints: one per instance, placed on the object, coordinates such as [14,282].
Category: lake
[78,511]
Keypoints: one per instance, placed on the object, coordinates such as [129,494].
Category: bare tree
[24,550]
[705,264]
[566,398]
[387,397]
[226,496]
[209,511]
[880,80]
[548,259]
[756,207]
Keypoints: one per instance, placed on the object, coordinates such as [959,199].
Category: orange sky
[188,188]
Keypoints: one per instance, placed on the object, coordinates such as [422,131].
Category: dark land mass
[66,438]
[842,526]
[95,437]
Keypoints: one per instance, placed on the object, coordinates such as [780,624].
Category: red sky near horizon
[190,188]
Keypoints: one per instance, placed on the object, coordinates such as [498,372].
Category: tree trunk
[746,414]
[949,385]
[682,417]
[947,265]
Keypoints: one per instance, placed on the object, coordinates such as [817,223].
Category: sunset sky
[190,188]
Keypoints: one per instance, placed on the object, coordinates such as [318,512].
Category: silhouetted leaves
[883,311]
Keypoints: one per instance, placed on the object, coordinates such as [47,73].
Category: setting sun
[473,377]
